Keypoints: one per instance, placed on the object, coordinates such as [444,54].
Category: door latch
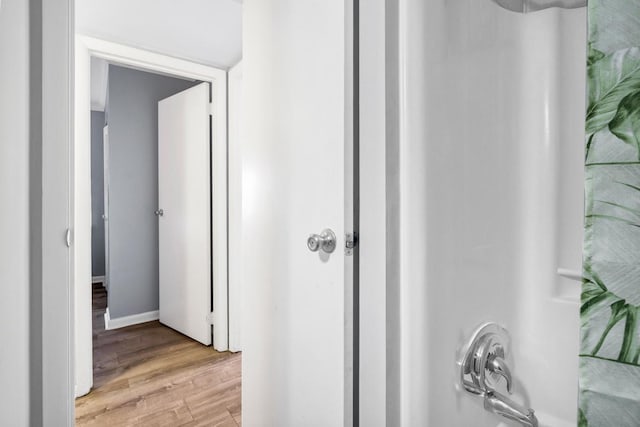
[350,243]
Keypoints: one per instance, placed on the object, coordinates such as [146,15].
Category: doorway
[130,185]
[211,95]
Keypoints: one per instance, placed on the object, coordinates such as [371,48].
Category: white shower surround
[491,204]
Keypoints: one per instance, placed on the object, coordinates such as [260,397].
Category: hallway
[151,375]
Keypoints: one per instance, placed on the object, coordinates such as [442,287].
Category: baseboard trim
[98,279]
[134,319]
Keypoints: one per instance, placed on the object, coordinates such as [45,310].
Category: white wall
[14,216]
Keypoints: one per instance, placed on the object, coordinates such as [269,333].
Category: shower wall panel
[492,107]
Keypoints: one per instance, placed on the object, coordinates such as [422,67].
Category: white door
[297,361]
[185,212]
[105,214]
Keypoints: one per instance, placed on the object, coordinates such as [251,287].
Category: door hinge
[210,108]
[210,318]
[350,243]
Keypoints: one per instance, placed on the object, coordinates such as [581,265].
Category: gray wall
[133,187]
[14,217]
[97,194]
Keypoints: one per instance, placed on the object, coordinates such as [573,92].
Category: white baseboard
[134,319]
[98,279]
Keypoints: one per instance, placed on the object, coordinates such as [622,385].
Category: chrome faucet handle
[497,365]
[482,364]
[504,407]
[484,359]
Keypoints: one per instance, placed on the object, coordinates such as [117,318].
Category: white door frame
[52,333]
[86,47]
[235,207]
[381,83]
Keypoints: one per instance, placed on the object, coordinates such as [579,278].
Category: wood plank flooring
[150,375]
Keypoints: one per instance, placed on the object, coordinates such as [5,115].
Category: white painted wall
[236,268]
[14,218]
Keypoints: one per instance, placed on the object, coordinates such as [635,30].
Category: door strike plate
[350,243]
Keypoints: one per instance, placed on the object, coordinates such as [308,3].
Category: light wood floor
[150,375]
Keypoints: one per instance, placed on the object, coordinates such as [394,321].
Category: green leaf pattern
[610,300]
[611,78]
[626,122]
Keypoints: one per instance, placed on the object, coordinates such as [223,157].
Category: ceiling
[204,31]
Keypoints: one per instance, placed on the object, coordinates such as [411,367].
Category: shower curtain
[610,306]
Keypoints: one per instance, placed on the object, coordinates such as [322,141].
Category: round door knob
[313,242]
[325,241]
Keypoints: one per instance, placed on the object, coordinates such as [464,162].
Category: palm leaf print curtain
[610,302]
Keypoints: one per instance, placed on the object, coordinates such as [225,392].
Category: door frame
[51,29]
[87,47]
[235,205]
[381,69]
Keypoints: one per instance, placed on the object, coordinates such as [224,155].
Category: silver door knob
[325,241]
